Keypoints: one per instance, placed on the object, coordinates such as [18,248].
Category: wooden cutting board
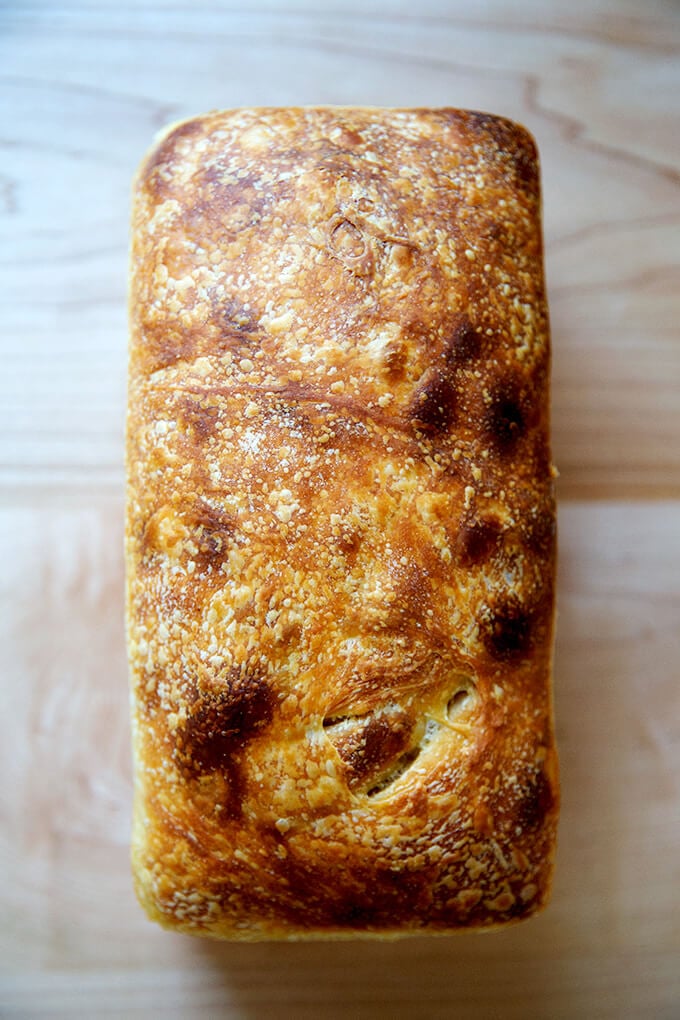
[83,88]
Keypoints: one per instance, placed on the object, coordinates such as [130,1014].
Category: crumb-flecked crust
[341,528]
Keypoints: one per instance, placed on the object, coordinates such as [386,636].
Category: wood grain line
[621,32]
[54,149]
[658,275]
[67,257]
[8,194]
[88,91]
[318,44]
[607,227]
[574,131]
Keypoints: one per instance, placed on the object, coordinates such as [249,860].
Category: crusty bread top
[340,532]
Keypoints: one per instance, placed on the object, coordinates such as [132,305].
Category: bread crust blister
[341,525]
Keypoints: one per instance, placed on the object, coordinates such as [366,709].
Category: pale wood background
[83,87]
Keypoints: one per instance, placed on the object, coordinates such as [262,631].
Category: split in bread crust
[341,525]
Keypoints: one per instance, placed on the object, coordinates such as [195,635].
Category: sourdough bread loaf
[340,525]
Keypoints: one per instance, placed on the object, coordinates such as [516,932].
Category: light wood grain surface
[83,88]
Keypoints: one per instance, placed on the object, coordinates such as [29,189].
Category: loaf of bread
[340,525]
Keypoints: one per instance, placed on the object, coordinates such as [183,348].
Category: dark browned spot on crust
[209,530]
[524,160]
[540,455]
[434,405]
[503,235]
[369,896]
[536,801]
[153,171]
[478,540]
[350,139]
[385,898]
[221,720]
[369,744]
[349,542]
[506,418]
[236,324]
[509,634]
[516,148]
[212,531]
[521,908]
[463,345]
[539,533]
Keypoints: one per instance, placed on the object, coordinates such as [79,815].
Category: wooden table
[83,87]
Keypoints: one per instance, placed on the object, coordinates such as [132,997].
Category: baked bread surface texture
[340,528]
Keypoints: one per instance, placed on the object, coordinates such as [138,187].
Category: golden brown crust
[340,532]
